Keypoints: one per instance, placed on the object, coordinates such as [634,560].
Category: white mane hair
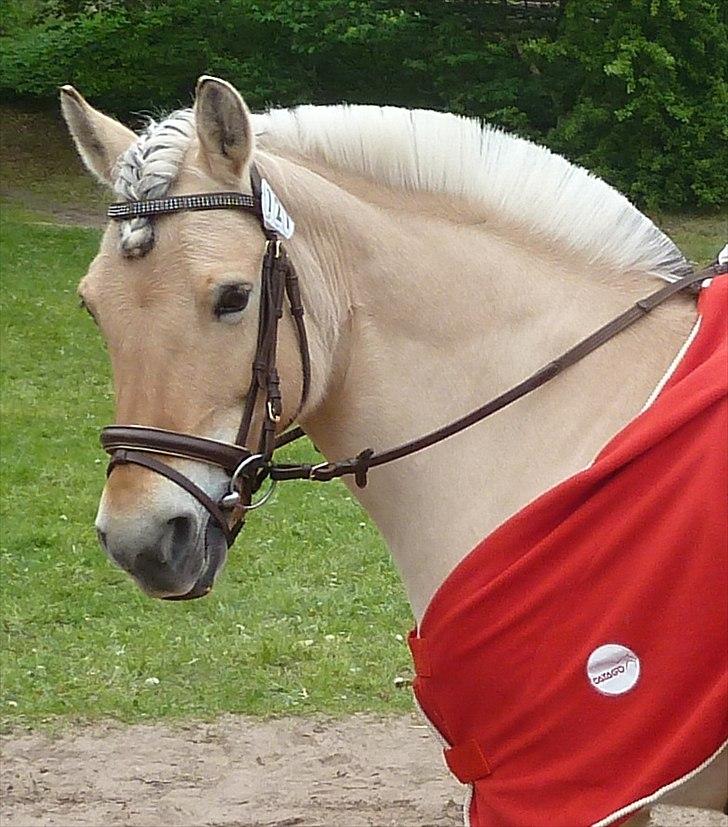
[519,180]
[435,152]
[147,170]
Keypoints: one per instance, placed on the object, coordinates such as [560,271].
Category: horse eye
[232,298]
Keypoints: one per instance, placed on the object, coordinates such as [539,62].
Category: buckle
[277,248]
[272,415]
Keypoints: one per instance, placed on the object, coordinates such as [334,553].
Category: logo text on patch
[613,669]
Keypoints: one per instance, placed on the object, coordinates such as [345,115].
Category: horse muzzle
[170,558]
[180,559]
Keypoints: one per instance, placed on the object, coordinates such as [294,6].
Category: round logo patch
[613,669]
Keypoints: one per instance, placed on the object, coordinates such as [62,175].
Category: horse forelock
[147,170]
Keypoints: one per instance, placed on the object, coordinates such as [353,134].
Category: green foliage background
[636,91]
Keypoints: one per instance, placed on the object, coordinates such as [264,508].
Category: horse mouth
[215,554]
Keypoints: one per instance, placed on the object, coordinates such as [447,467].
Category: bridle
[132,444]
[247,470]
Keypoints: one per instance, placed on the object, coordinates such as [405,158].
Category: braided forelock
[147,170]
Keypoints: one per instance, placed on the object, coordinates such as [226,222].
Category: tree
[636,91]
[641,96]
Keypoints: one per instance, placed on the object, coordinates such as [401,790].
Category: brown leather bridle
[247,470]
[133,444]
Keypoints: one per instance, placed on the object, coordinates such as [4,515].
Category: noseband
[246,469]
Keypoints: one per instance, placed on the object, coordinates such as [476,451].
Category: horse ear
[224,128]
[99,139]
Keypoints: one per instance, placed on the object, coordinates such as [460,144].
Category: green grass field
[309,614]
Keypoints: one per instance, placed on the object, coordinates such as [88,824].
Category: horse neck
[441,317]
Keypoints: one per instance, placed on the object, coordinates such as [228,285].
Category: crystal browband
[124,210]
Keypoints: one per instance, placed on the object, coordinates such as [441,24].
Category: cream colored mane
[525,184]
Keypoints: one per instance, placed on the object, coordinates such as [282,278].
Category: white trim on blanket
[673,366]
[651,799]
[680,356]
[466,805]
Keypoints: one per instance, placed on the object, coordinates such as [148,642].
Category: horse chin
[215,555]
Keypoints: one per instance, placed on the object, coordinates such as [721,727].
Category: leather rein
[246,469]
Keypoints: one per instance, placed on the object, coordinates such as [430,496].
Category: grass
[306,615]
[309,614]
[699,237]
[38,162]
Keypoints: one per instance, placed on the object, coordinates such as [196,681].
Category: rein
[247,470]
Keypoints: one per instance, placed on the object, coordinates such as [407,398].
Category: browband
[124,210]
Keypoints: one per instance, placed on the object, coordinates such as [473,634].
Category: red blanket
[577,660]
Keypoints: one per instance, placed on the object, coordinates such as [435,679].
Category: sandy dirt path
[237,771]
[240,772]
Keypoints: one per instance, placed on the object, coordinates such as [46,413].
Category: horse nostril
[102,539]
[180,532]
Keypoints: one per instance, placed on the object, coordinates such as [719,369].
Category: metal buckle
[315,468]
[277,242]
[274,417]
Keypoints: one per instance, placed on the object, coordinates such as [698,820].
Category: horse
[439,260]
